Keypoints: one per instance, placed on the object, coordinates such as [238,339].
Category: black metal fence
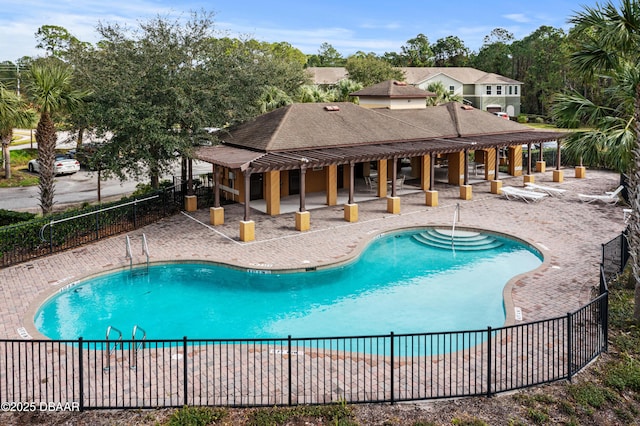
[40,237]
[265,372]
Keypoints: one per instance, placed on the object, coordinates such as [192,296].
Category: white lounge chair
[554,192]
[513,193]
[609,197]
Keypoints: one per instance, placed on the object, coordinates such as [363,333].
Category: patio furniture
[609,197]
[513,193]
[554,192]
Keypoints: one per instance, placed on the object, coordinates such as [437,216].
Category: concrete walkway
[568,232]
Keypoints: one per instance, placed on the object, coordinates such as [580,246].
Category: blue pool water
[398,284]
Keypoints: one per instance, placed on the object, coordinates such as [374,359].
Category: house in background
[486,91]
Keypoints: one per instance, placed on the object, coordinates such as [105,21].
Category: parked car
[62,165]
[502,114]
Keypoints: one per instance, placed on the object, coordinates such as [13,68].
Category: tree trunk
[80,139]
[6,155]
[46,138]
[633,230]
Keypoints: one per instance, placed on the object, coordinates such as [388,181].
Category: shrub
[9,217]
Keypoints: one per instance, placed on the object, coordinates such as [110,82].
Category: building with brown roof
[321,148]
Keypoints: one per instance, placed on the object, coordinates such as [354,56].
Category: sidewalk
[568,232]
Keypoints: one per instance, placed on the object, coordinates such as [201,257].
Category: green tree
[14,113]
[540,62]
[417,52]
[495,54]
[55,40]
[273,98]
[327,56]
[155,89]
[450,51]
[368,69]
[52,93]
[443,95]
[610,47]
[341,91]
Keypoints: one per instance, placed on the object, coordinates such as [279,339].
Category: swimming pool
[399,283]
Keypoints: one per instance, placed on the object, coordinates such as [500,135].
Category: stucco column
[515,160]
[425,174]
[272,195]
[455,167]
[382,178]
[332,184]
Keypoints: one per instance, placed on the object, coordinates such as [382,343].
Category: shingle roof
[465,75]
[327,75]
[324,134]
[315,125]
[393,89]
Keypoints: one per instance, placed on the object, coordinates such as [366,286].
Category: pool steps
[462,240]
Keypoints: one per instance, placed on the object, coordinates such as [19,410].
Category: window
[488,90]
[498,90]
[511,90]
[515,90]
[452,89]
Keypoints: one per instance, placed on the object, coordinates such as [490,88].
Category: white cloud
[517,17]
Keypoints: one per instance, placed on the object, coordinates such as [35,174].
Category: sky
[349,26]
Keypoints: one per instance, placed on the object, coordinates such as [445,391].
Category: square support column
[431,198]
[382,178]
[541,166]
[272,192]
[247,230]
[514,154]
[529,179]
[393,205]
[465,192]
[455,168]
[216,215]
[496,187]
[351,212]
[303,221]
[581,171]
[490,164]
[558,176]
[425,175]
[190,203]
[332,184]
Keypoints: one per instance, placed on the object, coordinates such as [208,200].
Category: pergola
[250,162]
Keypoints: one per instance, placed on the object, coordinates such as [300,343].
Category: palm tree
[273,98]
[13,113]
[51,92]
[610,48]
[442,96]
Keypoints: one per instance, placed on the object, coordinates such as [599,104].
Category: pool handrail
[109,352]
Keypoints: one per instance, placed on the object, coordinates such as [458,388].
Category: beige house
[322,148]
[482,90]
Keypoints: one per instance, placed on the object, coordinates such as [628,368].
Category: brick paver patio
[568,232]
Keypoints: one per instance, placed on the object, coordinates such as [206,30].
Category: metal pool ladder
[135,347]
[110,350]
[129,254]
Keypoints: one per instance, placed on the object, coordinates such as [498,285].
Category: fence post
[289,365]
[51,237]
[97,224]
[184,366]
[489,355]
[569,347]
[81,374]
[135,213]
[392,374]
[604,311]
